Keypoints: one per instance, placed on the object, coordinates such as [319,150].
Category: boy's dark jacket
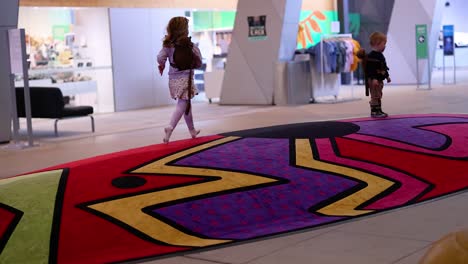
[374,65]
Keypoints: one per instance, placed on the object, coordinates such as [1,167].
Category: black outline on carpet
[446,145]
[429,187]
[249,133]
[414,201]
[383,194]
[354,120]
[149,209]
[57,217]
[56,220]
[360,184]
[421,127]
[11,226]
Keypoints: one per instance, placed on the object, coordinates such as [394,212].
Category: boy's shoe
[379,109]
[168,131]
[383,113]
[194,132]
[378,115]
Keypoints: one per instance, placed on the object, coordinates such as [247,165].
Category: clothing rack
[322,62]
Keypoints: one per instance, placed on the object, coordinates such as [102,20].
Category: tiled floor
[401,236]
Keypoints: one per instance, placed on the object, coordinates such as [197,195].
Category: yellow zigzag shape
[129,210]
[347,205]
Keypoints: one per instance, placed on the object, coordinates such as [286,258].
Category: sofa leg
[56,121]
[55,127]
[92,123]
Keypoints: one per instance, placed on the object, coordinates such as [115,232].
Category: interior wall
[92,27]
[136,36]
[401,45]
[455,14]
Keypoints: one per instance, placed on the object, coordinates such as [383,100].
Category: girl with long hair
[179,80]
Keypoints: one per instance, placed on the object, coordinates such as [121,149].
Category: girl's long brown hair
[176,28]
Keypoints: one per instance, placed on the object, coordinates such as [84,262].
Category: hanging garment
[356,60]
[341,55]
[328,57]
[349,55]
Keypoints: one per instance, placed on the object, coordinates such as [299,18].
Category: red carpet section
[214,191]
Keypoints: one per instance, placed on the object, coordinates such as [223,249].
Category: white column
[251,62]
[8,20]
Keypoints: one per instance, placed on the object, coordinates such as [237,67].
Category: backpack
[362,55]
[184,58]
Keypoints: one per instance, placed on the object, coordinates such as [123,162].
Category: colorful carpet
[223,189]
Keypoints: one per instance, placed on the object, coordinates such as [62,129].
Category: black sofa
[48,102]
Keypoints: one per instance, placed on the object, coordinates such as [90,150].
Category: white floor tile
[426,222]
[342,247]
[247,252]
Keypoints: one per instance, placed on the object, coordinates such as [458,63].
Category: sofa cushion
[72,111]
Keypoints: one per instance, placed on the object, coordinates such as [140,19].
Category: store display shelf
[67,88]
[66,69]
